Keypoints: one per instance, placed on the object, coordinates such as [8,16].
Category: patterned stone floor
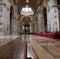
[52,46]
[12,47]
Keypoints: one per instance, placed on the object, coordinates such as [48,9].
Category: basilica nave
[29,29]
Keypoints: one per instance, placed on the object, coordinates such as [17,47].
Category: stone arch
[27,16]
[31,24]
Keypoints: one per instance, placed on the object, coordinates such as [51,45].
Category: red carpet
[49,35]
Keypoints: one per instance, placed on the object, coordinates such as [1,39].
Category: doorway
[58,2]
[45,18]
[11,14]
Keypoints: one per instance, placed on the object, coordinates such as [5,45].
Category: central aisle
[37,48]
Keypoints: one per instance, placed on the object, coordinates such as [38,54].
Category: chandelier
[26,11]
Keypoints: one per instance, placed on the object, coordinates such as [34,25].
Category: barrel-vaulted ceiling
[32,3]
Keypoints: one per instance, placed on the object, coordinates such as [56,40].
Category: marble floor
[14,47]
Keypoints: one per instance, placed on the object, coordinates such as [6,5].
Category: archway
[27,22]
[11,14]
[45,18]
[58,3]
